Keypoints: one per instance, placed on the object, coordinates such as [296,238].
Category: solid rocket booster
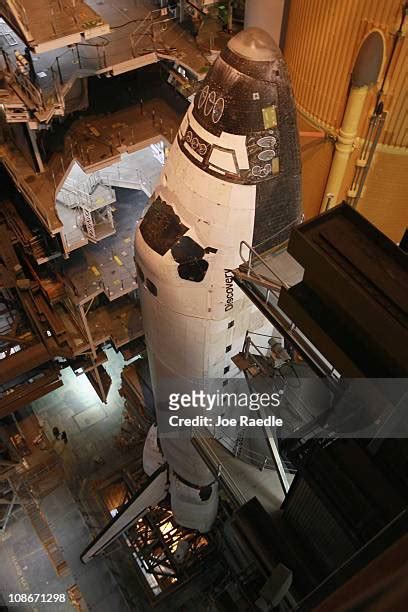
[232,175]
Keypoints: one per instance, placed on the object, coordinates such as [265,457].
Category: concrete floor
[26,568]
[95,582]
[109,265]
[91,427]
[140,168]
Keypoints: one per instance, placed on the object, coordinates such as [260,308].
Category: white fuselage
[192,328]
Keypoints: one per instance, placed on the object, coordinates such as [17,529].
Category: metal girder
[150,495]
[16,339]
[8,463]
[11,503]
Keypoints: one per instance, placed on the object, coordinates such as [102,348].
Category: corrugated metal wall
[322,43]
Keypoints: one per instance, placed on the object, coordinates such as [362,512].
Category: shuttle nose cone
[254,44]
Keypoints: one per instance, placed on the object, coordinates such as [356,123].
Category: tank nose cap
[254,44]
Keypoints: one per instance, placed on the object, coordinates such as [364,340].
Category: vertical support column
[344,145]
[265,14]
[61,80]
[230,14]
[37,155]
[16,423]
[6,61]
[182,11]
[93,351]
[365,74]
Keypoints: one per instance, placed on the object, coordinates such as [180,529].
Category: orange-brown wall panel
[396,97]
[384,200]
[317,154]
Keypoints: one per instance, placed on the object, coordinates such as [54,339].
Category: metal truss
[166,550]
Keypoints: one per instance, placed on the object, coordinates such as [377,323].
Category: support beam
[6,463]
[36,151]
[9,502]
[280,470]
[6,519]
[93,349]
[9,338]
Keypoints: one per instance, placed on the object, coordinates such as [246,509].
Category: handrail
[120,175]
[148,17]
[253,457]
[78,193]
[52,94]
[37,95]
[150,22]
[218,469]
[302,343]
[74,198]
[261,259]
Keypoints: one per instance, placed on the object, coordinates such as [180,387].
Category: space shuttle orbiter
[232,174]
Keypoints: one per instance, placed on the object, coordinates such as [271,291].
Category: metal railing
[40,98]
[247,455]
[85,59]
[142,30]
[72,199]
[79,193]
[253,255]
[87,155]
[363,163]
[125,286]
[217,468]
[147,28]
[74,239]
[88,185]
[25,188]
[71,64]
[269,298]
[126,175]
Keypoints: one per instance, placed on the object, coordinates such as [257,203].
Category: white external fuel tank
[232,174]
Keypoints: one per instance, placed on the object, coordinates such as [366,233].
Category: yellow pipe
[344,145]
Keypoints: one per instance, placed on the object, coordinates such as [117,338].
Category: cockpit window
[223,160]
